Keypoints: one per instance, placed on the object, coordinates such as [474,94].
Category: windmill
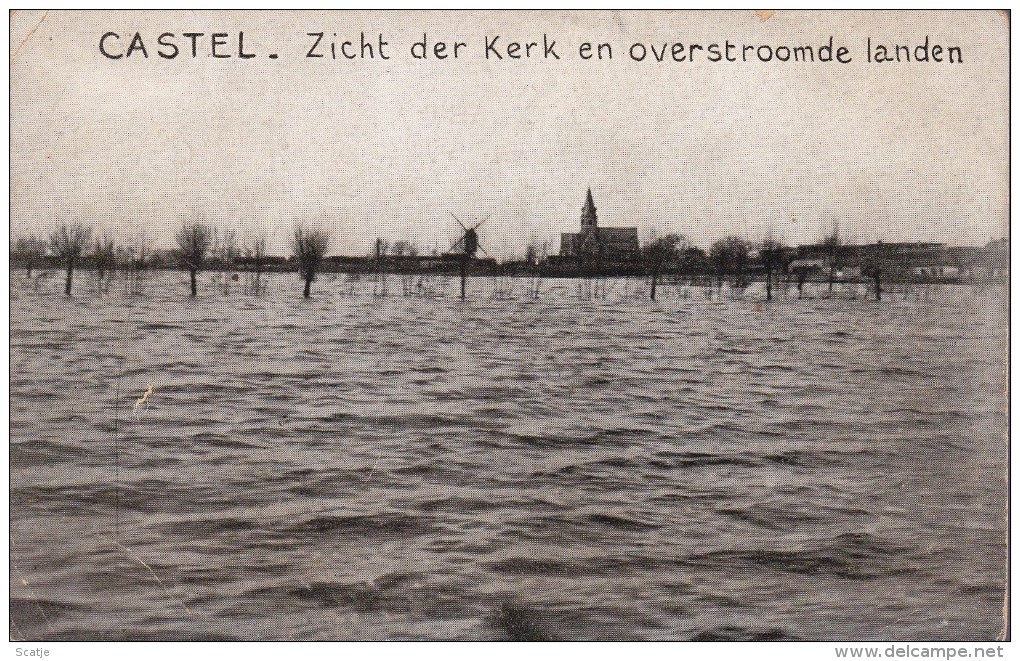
[466,246]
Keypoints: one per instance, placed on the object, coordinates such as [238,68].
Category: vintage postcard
[509,326]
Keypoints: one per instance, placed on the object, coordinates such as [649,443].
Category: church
[609,244]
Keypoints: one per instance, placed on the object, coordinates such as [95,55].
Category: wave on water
[367,467]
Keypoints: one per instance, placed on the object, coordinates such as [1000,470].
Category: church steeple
[588,216]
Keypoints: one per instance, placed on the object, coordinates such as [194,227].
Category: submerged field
[572,467]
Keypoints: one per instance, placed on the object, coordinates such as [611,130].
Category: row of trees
[731,256]
[727,256]
[197,243]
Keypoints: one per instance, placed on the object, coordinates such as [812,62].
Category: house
[935,271]
[990,262]
[808,265]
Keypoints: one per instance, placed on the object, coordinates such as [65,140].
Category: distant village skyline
[279,236]
[373,149]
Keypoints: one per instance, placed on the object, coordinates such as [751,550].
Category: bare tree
[310,246]
[873,265]
[771,252]
[255,255]
[136,257]
[531,253]
[104,256]
[30,251]
[720,256]
[739,251]
[194,241]
[695,262]
[802,274]
[536,255]
[68,242]
[661,253]
[227,253]
[729,255]
[405,248]
[832,243]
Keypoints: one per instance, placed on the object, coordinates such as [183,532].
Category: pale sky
[909,151]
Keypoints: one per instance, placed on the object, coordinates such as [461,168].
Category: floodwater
[366,467]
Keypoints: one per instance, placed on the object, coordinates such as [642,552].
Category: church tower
[589,219]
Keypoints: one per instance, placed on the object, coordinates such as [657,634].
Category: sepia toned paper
[517,325]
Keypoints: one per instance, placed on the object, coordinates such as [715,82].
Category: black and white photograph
[501,325]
